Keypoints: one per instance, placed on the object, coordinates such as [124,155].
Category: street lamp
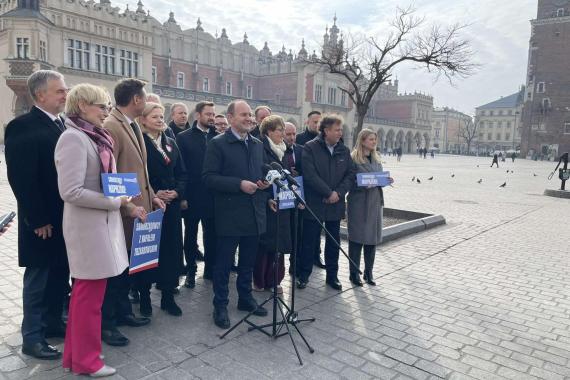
[515,129]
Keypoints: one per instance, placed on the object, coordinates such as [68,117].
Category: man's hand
[139,212]
[333,198]
[272,205]
[44,232]
[158,203]
[262,185]
[248,187]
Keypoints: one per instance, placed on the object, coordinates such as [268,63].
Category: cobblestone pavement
[486,296]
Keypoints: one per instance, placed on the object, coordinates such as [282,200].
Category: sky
[498,31]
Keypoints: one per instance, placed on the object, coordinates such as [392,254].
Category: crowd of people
[74,241]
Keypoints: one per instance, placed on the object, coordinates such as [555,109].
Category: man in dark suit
[260,113]
[30,145]
[179,116]
[199,204]
[328,174]
[232,170]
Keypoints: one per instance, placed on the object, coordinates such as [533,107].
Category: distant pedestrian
[514,155]
[432,154]
[425,153]
[495,160]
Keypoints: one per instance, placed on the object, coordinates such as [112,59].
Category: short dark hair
[201,105]
[313,113]
[259,108]
[127,89]
[328,121]
[232,106]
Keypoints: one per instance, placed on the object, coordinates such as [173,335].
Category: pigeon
[480,180]
[418,180]
[413,179]
[453,175]
[535,175]
[503,185]
[477,165]
[507,170]
[430,179]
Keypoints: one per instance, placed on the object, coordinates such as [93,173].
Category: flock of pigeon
[480,181]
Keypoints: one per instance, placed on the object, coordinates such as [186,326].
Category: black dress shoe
[252,306]
[55,331]
[167,304]
[355,279]
[369,279]
[319,263]
[302,284]
[114,338]
[41,350]
[221,318]
[131,320]
[199,255]
[190,281]
[334,283]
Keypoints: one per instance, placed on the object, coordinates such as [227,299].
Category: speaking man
[233,171]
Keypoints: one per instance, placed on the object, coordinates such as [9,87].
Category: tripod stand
[288,318]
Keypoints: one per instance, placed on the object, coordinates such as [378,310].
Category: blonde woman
[92,226]
[364,209]
[168,179]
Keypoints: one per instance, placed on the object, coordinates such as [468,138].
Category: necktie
[59,124]
[135,128]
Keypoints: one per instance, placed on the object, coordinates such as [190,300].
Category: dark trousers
[355,252]
[116,303]
[310,241]
[495,162]
[42,298]
[225,255]
[191,243]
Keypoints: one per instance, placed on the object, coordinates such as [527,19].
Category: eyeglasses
[103,107]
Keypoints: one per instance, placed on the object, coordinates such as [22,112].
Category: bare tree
[468,131]
[366,62]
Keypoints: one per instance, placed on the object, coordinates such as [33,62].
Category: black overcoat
[167,176]
[228,161]
[268,239]
[30,142]
[324,173]
[192,144]
[305,137]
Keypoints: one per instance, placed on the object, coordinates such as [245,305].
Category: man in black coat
[179,116]
[328,172]
[233,171]
[312,131]
[199,204]
[261,112]
[30,145]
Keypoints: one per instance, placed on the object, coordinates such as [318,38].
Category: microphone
[285,174]
[272,176]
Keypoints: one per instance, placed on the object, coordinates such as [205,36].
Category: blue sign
[146,242]
[377,179]
[119,184]
[286,197]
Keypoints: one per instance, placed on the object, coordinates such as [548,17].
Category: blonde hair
[87,94]
[148,108]
[271,123]
[358,151]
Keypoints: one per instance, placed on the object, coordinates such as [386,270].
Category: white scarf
[278,149]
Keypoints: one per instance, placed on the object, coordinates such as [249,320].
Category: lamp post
[515,128]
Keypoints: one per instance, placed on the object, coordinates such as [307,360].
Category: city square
[483,297]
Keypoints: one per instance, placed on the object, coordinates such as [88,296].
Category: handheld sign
[286,197]
[146,242]
[377,179]
[119,184]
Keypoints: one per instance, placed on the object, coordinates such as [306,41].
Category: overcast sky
[498,30]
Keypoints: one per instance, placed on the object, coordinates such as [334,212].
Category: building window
[331,99]
[545,104]
[343,99]
[498,136]
[437,133]
[567,128]
[79,54]
[105,59]
[541,87]
[507,136]
[318,93]
[491,113]
[560,12]
[510,112]
[500,124]
[490,124]
[180,80]
[206,85]
[500,112]
[22,48]
[481,136]
[482,113]
[509,124]
[489,136]
[43,51]
[129,63]
[249,92]
[228,88]
[153,75]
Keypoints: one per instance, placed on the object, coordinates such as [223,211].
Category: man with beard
[199,204]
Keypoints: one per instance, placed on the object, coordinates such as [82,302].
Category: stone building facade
[96,42]
[546,110]
[446,126]
[499,124]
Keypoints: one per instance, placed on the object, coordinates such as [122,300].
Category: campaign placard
[286,197]
[146,242]
[119,184]
[377,179]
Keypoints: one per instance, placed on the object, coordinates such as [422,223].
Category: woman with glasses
[92,226]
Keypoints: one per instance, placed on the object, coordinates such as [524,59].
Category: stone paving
[484,297]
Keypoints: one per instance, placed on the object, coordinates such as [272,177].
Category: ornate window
[105,59]
[22,48]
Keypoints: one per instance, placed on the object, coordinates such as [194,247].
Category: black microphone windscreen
[265,168]
[276,166]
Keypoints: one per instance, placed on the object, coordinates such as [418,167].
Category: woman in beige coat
[92,225]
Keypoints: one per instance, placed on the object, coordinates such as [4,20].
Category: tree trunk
[359,124]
